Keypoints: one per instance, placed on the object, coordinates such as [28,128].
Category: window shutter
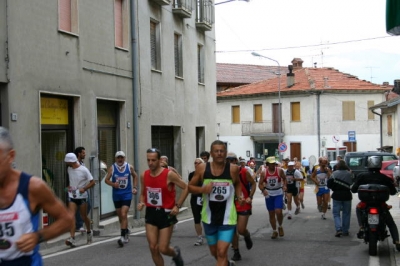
[118,23]
[65,15]
[295,111]
[153,45]
[258,113]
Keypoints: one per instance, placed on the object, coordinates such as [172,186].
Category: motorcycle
[373,214]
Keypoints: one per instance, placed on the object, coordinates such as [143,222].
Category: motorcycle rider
[374,176]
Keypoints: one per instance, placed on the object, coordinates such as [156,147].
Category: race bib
[122,182]
[322,182]
[289,179]
[154,196]
[220,191]
[272,182]
[199,201]
[73,192]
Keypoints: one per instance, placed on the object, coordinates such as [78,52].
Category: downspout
[134,61]
[319,123]
[380,126]
[7,57]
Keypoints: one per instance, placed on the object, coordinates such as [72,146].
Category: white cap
[290,163]
[119,153]
[70,158]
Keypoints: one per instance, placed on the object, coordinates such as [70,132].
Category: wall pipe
[135,106]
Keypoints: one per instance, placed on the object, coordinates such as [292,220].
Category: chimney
[396,87]
[297,63]
[290,77]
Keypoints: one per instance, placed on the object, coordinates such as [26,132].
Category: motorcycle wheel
[373,243]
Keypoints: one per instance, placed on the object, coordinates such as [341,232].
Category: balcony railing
[161,2]
[182,8]
[204,15]
[264,128]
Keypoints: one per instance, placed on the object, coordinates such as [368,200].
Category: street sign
[352,136]
[335,138]
[282,147]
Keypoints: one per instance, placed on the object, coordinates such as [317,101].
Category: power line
[305,46]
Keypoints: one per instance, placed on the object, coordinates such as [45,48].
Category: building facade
[106,75]
[323,113]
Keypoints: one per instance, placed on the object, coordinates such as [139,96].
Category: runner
[293,176]
[320,177]
[272,184]
[220,185]
[302,183]
[158,195]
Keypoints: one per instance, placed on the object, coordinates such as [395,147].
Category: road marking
[99,242]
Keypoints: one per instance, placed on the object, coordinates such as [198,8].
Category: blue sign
[352,136]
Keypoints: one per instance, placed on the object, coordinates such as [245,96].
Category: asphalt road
[308,240]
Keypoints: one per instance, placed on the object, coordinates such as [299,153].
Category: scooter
[373,214]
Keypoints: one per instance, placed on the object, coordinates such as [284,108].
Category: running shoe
[297,211]
[323,217]
[302,205]
[178,258]
[89,238]
[231,263]
[236,256]
[284,206]
[126,237]
[345,234]
[121,241]
[199,241]
[280,229]
[70,242]
[289,217]
[274,235]
[320,208]
[329,206]
[249,242]
[82,230]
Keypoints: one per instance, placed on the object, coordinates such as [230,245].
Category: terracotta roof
[306,79]
[245,74]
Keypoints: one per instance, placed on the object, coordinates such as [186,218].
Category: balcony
[267,129]
[182,8]
[204,15]
[161,2]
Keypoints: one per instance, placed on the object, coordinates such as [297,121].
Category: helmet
[375,162]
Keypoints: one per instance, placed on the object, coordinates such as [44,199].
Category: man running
[320,177]
[158,195]
[220,185]
[293,176]
[119,177]
[273,184]
[22,196]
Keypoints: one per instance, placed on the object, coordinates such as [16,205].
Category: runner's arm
[41,197]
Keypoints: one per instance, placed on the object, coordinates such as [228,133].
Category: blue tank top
[123,178]
[17,220]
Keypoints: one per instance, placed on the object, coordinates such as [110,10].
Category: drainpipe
[319,123]
[380,125]
[134,61]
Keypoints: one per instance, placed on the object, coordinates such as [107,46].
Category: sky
[348,35]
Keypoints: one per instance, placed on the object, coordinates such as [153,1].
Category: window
[371,115]
[68,16]
[178,55]
[235,114]
[121,21]
[258,113]
[389,125]
[200,63]
[348,110]
[295,111]
[155,45]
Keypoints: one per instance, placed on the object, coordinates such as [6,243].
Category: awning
[393,17]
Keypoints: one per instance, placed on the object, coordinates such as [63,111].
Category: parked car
[388,167]
[357,161]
